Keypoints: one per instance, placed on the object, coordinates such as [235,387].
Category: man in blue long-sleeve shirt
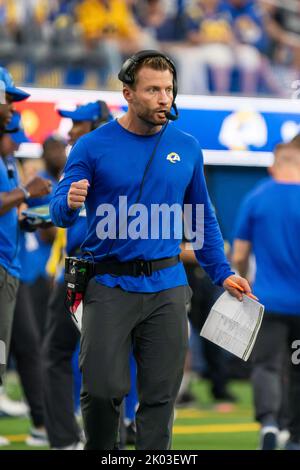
[140,292]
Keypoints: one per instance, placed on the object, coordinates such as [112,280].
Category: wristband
[27,194]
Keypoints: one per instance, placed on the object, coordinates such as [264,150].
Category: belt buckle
[145,268]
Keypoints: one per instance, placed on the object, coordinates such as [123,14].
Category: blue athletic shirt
[34,252]
[113,160]
[269,218]
[9,226]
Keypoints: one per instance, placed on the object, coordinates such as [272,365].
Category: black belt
[134,268]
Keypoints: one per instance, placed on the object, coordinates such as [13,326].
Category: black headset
[126,75]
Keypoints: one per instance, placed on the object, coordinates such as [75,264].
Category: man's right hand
[77,194]
[38,187]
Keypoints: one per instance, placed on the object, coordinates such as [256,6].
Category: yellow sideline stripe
[193,429]
[194,413]
[17,437]
[179,414]
[216,428]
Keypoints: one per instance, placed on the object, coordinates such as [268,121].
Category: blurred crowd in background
[219,46]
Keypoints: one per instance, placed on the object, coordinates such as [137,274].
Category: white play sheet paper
[233,325]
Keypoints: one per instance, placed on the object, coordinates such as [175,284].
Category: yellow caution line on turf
[194,413]
[17,437]
[179,414]
[193,429]
[216,428]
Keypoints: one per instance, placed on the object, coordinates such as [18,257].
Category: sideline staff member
[62,336]
[11,196]
[268,225]
[128,302]
[7,100]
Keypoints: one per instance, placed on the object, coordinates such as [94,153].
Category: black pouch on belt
[78,272]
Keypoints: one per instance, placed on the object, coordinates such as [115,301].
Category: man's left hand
[235,292]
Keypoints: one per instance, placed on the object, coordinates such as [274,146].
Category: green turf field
[202,427]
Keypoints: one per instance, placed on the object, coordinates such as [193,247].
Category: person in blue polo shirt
[268,225]
[6,112]
[25,341]
[61,335]
[8,95]
[12,194]
[139,294]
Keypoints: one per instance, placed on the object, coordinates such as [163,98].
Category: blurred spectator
[110,30]
[247,20]
[161,25]
[213,28]
[283,26]
[168,32]
[80,42]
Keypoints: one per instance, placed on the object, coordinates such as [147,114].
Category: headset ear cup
[174,86]
[124,75]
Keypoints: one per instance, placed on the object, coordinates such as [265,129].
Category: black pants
[156,325]
[61,338]
[40,293]
[269,358]
[8,294]
[26,349]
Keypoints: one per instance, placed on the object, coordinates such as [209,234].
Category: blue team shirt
[9,226]
[34,252]
[270,219]
[113,160]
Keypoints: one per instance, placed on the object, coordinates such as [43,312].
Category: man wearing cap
[12,195]
[25,342]
[62,336]
[8,95]
[5,113]
[86,118]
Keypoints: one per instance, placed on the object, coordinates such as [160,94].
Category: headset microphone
[170,116]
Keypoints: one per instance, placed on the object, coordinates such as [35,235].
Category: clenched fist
[77,194]
[38,187]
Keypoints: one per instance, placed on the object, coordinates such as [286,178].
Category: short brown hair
[287,153]
[296,140]
[155,63]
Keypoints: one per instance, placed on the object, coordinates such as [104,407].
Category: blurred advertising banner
[231,130]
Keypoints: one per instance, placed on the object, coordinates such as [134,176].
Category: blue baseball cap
[9,87]
[95,111]
[15,129]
